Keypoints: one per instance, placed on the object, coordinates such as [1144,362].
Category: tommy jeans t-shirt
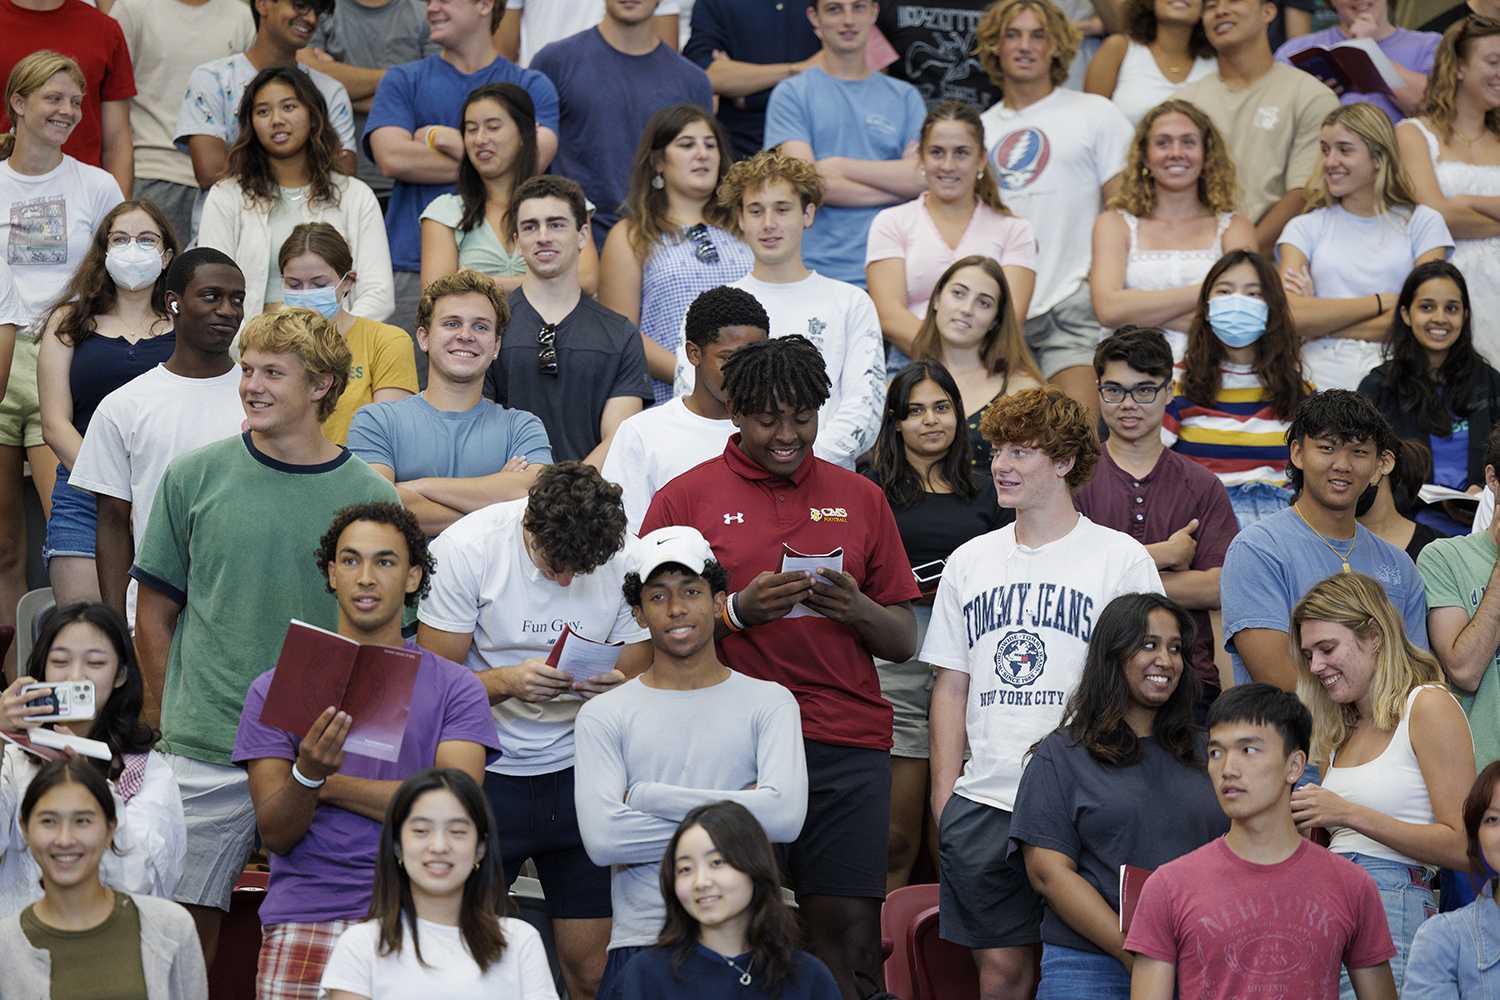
[1018,621]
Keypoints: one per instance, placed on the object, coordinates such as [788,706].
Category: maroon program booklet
[318,668]
[1131,881]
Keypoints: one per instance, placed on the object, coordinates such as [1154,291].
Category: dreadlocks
[766,375]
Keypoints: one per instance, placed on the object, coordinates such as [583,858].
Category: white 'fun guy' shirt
[1017,620]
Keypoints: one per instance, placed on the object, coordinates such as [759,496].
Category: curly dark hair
[716,575]
[720,307]
[1436,395]
[575,518]
[249,164]
[1342,415]
[381,512]
[765,375]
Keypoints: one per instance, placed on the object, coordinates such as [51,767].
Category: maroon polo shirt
[1151,508]
[746,513]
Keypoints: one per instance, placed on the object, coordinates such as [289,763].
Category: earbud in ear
[174,307]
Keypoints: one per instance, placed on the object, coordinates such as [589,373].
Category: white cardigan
[243,231]
[150,840]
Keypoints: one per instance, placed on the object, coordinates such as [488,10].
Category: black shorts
[983,901]
[535,818]
[841,850]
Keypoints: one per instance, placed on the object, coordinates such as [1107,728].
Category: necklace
[1344,557]
[151,318]
[744,973]
[1470,142]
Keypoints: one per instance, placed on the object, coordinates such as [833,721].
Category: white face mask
[133,266]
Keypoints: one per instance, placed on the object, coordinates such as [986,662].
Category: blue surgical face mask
[323,300]
[1238,320]
[133,266]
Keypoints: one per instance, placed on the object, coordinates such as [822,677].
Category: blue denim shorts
[70,529]
[1408,901]
[1256,501]
[1068,973]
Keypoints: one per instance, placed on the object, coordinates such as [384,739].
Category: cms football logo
[1020,658]
[1019,159]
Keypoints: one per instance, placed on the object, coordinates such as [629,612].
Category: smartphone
[69,701]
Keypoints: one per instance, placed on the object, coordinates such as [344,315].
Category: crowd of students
[1106,350]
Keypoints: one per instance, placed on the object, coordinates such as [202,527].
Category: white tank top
[1391,783]
[1158,270]
[1140,85]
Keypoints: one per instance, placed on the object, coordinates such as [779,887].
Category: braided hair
[766,375]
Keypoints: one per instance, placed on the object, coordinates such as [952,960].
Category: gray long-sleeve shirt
[673,751]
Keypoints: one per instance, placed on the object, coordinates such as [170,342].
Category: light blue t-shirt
[417,441]
[1271,564]
[870,119]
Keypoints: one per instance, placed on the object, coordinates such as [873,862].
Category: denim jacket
[1457,955]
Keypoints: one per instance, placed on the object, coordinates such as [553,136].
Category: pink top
[908,232]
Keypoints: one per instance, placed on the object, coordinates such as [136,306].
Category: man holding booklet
[815,634]
[687,732]
[319,804]
[511,578]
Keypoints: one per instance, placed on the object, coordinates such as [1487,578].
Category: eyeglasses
[1144,394]
[703,248]
[150,241]
[546,355]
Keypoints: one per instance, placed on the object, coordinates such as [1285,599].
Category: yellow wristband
[432,131]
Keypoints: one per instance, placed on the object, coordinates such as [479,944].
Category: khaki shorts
[20,412]
[1065,335]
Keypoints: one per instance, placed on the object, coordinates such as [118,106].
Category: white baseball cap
[677,543]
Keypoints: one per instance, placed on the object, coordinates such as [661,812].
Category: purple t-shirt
[1151,508]
[1411,50]
[328,875]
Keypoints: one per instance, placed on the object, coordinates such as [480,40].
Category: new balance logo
[734,518]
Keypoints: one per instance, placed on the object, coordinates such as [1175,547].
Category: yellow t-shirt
[384,358]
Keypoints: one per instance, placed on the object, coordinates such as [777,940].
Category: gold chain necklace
[1343,558]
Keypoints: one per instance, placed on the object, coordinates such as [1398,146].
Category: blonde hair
[990,32]
[1360,604]
[767,167]
[317,343]
[1217,186]
[1439,102]
[30,75]
[463,282]
[1393,188]
[985,188]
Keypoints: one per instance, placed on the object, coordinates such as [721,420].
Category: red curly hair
[1047,418]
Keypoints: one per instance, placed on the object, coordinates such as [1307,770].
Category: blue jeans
[1255,501]
[1068,973]
[1408,901]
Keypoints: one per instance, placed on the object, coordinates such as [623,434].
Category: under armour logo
[734,518]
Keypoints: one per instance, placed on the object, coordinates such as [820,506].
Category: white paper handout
[581,656]
[792,560]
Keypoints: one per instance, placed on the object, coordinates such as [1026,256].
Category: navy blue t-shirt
[707,975]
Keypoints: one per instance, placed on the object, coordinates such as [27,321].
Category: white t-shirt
[840,320]
[1017,620]
[48,223]
[1350,256]
[168,39]
[546,21]
[12,309]
[655,446]
[1052,159]
[355,965]
[486,584]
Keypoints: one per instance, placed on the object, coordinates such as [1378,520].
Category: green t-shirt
[79,956]
[232,537]
[1456,571]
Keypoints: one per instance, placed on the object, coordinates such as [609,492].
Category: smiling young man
[766,493]
[578,366]
[209,122]
[1010,627]
[318,810]
[1409,52]
[510,577]
[190,400]
[658,444]
[449,450]
[858,127]
[1166,501]
[775,198]
[1262,910]
[687,732]
[1335,441]
[246,508]
[1268,113]
[1057,154]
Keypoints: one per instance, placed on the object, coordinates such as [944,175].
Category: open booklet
[318,668]
[1432,493]
[581,656]
[1358,64]
[49,744]
[792,560]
